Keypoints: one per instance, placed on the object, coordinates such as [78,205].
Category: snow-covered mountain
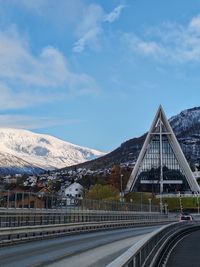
[186,126]
[28,151]
[187,120]
[10,164]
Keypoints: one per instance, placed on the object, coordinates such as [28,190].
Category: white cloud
[10,99]
[32,122]
[114,15]
[170,43]
[27,78]
[194,24]
[89,38]
[91,26]
[144,47]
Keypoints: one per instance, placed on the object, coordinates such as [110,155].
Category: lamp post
[121,188]
[141,201]
[180,202]
[161,167]
[197,195]
[131,201]
[149,204]
[166,211]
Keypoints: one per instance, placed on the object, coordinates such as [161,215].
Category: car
[184,218]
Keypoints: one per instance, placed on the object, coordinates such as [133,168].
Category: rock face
[186,127]
[22,151]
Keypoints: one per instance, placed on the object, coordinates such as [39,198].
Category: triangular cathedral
[161,166]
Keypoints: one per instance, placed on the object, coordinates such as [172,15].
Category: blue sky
[94,72]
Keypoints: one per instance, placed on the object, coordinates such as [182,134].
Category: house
[73,193]
[16,199]
[29,201]
[75,190]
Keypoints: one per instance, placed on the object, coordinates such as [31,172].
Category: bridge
[79,236]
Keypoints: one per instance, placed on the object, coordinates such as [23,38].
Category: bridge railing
[151,249]
[28,217]
[41,200]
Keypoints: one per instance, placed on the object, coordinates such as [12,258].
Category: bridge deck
[90,249]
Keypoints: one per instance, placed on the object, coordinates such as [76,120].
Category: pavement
[86,249]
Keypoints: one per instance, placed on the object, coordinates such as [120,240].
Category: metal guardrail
[13,235]
[146,252]
[28,217]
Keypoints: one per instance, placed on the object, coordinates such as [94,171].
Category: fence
[30,200]
[28,217]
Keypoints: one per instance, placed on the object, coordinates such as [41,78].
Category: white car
[184,218]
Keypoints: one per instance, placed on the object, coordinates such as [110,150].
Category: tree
[103,192]
[115,177]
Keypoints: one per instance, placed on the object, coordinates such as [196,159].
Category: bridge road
[187,252]
[88,249]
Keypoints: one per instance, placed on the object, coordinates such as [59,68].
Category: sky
[94,72]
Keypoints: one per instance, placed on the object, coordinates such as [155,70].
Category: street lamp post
[197,195]
[121,188]
[149,204]
[166,208]
[180,202]
[161,167]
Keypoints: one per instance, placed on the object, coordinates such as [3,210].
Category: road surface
[88,249]
[187,252]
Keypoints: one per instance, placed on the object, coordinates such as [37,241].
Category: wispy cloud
[137,44]
[28,78]
[115,14]
[86,22]
[170,43]
[32,122]
[92,26]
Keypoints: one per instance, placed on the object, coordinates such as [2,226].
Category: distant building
[17,199]
[161,166]
[75,190]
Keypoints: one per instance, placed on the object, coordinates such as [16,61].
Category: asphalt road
[187,252]
[88,249]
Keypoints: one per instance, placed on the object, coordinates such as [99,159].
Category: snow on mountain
[186,120]
[39,150]
[186,126]
[10,164]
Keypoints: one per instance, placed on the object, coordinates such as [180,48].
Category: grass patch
[189,204]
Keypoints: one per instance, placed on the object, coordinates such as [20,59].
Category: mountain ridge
[40,151]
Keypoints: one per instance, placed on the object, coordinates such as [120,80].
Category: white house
[75,190]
